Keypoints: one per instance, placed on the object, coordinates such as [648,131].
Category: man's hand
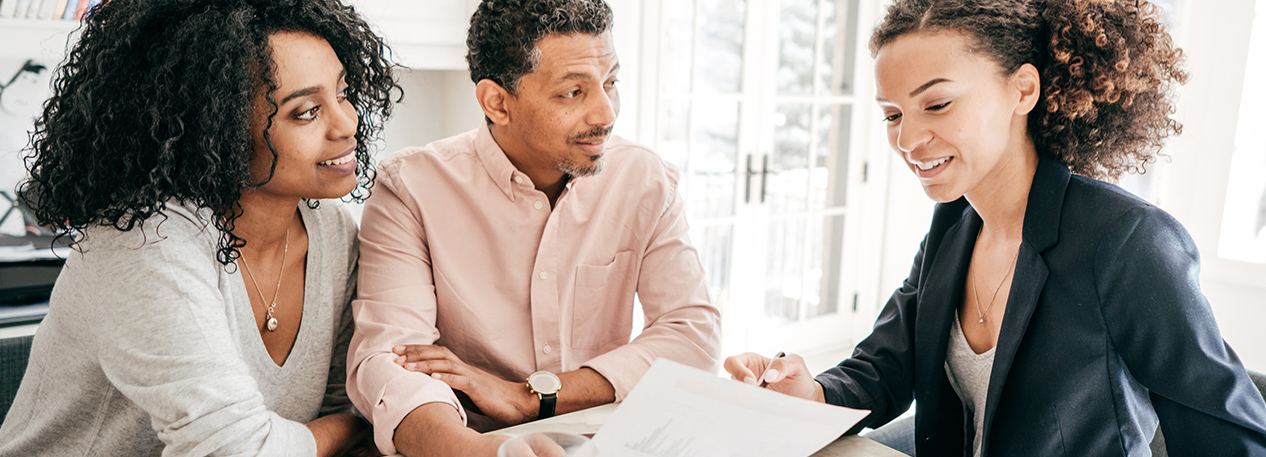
[507,402]
[787,375]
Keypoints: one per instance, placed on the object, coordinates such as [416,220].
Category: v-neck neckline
[257,348]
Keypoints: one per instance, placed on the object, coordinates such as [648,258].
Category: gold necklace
[270,322]
[976,291]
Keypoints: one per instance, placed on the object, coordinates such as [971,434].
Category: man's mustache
[596,133]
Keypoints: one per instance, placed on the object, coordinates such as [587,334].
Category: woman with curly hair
[1047,312]
[205,310]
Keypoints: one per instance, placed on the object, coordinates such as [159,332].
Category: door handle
[747,183]
[764,176]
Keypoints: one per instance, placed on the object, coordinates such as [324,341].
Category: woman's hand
[507,402]
[788,375]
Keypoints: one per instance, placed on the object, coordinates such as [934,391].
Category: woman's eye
[572,94]
[342,94]
[890,119]
[309,114]
[938,107]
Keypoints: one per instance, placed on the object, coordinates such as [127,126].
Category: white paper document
[678,411]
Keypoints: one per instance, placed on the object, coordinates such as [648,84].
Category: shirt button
[546,349]
[518,179]
[544,275]
[537,205]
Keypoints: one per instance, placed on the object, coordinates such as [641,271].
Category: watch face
[544,382]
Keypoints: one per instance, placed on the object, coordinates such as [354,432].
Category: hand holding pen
[760,381]
[784,373]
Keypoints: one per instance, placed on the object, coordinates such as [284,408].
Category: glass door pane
[787,169]
[839,46]
[825,255]
[722,26]
[676,45]
[828,182]
[797,36]
[713,169]
[784,271]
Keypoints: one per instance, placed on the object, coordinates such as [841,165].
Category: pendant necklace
[270,322]
[976,291]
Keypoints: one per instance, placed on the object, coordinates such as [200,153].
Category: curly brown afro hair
[152,106]
[1108,70]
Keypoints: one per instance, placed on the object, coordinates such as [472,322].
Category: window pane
[826,250]
[784,271]
[786,189]
[839,44]
[828,180]
[797,30]
[1244,217]
[721,27]
[714,248]
[674,131]
[713,160]
[676,45]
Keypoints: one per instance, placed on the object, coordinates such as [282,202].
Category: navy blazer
[1105,333]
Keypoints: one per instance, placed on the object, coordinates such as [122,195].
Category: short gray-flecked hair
[501,43]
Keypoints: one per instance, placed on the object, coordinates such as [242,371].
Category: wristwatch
[546,386]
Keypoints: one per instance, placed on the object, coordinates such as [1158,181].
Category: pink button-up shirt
[459,249]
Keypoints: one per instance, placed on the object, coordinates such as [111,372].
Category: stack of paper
[678,411]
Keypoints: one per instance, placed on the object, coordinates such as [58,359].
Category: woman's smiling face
[952,115]
[314,130]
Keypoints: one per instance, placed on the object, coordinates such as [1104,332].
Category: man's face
[564,111]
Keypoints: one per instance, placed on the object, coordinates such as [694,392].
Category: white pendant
[271,325]
[982,320]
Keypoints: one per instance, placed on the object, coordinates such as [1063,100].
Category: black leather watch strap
[548,401]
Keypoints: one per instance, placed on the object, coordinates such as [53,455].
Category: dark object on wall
[27,282]
[14,353]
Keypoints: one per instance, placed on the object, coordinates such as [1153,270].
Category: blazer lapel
[1041,231]
[939,296]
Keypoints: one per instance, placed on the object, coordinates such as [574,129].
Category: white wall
[1216,45]
[437,104]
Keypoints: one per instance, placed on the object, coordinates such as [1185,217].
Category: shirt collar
[495,162]
[499,167]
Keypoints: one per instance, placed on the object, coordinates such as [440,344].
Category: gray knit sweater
[150,347]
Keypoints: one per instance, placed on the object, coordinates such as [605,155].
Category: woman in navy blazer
[1103,334]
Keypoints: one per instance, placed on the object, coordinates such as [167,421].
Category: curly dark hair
[501,42]
[1108,70]
[152,106]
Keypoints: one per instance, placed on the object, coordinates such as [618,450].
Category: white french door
[754,101]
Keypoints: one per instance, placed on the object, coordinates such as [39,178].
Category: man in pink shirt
[515,251]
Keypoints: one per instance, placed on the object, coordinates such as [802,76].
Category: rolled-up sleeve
[396,305]
[682,323]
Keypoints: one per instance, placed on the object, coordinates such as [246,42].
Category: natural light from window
[1244,218]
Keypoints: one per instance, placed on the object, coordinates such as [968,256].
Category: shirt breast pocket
[602,312]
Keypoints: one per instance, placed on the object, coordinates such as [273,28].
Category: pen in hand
[760,381]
